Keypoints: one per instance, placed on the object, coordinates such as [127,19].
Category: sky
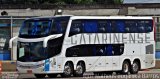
[141,1]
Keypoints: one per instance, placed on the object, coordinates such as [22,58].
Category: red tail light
[154,28]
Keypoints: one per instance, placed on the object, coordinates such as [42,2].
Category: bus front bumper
[40,70]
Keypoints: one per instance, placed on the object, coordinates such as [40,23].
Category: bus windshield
[35,28]
[33,51]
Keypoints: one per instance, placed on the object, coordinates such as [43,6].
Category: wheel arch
[128,60]
[138,60]
[69,61]
[82,61]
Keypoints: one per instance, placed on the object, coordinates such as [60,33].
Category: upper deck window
[35,28]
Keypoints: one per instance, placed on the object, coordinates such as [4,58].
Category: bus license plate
[29,71]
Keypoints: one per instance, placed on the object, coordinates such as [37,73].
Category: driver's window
[76,28]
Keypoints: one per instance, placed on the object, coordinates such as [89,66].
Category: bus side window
[118,49]
[130,26]
[63,25]
[118,26]
[76,28]
[141,26]
[113,26]
[109,50]
[59,26]
[56,27]
[149,26]
[109,27]
[102,26]
[144,26]
[90,26]
[100,50]
[53,28]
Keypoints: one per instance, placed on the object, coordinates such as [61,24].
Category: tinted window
[102,25]
[90,26]
[111,26]
[118,26]
[35,28]
[130,26]
[41,27]
[95,50]
[83,26]
[144,26]
[76,27]
[59,25]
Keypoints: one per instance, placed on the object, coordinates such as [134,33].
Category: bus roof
[94,17]
[49,17]
[110,17]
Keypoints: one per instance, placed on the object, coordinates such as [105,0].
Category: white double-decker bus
[72,45]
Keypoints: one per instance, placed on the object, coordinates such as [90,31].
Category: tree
[61,2]
[83,1]
[118,1]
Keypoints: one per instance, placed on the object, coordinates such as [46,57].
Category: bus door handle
[90,64]
[107,63]
[114,63]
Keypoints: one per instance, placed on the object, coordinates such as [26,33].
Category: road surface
[149,74]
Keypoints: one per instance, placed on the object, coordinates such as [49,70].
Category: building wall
[9,28]
[99,12]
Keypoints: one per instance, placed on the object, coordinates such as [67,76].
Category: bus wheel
[52,75]
[80,69]
[125,67]
[68,70]
[135,67]
[40,75]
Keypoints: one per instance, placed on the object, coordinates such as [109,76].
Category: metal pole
[11,37]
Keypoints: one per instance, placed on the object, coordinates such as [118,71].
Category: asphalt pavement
[145,74]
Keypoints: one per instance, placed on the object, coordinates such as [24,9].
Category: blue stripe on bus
[46,66]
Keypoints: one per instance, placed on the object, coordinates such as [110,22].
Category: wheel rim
[67,70]
[79,69]
[135,67]
[126,68]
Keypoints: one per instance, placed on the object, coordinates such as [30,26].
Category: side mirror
[11,41]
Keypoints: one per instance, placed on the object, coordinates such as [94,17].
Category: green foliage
[118,1]
[62,2]
[83,1]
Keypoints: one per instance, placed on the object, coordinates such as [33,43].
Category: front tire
[40,75]
[125,67]
[68,70]
[135,67]
[80,69]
